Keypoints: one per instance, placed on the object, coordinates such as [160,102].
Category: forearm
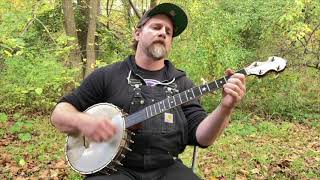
[66,118]
[213,125]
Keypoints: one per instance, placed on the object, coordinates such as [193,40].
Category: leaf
[255,171]
[16,127]
[24,137]
[3,117]
[39,91]
[22,162]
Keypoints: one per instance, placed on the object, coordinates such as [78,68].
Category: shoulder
[115,68]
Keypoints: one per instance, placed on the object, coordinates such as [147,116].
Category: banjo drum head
[87,157]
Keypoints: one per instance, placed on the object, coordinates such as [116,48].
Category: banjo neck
[176,100]
[273,63]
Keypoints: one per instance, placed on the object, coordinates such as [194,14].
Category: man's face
[155,37]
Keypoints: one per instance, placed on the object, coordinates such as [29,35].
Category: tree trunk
[83,25]
[153,3]
[74,58]
[90,47]
[127,11]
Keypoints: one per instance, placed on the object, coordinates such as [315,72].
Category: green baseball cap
[175,13]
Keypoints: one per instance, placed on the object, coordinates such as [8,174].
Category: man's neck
[148,63]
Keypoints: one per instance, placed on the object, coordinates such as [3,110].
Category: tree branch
[46,30]
[135,9]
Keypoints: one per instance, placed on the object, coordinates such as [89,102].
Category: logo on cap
[172,13]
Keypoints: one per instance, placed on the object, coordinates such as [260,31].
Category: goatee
[157,51]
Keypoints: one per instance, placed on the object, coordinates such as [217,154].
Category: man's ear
[136,34]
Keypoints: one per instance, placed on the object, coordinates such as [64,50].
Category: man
[140,81]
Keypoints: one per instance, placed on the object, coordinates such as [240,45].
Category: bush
[33,84]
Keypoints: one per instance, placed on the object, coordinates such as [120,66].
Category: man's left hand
[234,90]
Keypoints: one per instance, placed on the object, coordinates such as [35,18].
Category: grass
[263,150]
[251,149]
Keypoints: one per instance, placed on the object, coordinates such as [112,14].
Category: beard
[157,51]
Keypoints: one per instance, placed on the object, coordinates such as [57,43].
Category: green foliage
[3,117]
[22,127]
[282,96]
[38,82]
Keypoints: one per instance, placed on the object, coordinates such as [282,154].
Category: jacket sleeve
[90,92]
[194,114]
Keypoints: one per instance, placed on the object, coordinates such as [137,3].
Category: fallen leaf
[255,171]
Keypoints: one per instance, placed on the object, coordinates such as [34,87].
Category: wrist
[79,121]
[226,109]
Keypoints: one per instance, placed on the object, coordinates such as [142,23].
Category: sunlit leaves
[3,118]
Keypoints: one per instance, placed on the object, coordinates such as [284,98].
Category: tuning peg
[118,163]
[278,68]
[130,141]
[255,64]
[272,59]
[128,149]
[122,155]
[112,168]
[130,132]
[260,72]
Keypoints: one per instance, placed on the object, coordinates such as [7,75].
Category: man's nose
[162,32]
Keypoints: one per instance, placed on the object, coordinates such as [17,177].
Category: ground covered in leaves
[30,148]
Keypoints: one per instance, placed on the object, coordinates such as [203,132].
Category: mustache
[159,42]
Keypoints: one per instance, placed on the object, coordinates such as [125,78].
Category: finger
[229,72]
[239,76]
[234,88]
[232,93]
[105,131]
[237,82]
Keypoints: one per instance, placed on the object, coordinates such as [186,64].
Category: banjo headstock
[273,63]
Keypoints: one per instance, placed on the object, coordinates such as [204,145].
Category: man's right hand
[97,129]
[69,120]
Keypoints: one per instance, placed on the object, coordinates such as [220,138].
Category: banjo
[88,157]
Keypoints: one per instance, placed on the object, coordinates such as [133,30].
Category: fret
[183,98]
[216,84]
[155,109]
[213,86]
[168,101]
[150,107]
[193,93]
[147,112]
[200,90]
[221,82]
[173,101]
[180,99]
[161,106]
[208,87]
[190,94]
[185,92]
[158,105]
[164,105]
[225,79]
[196,91]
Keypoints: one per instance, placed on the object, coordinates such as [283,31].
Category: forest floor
[31,148]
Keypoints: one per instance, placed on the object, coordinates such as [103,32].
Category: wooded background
[47,47]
